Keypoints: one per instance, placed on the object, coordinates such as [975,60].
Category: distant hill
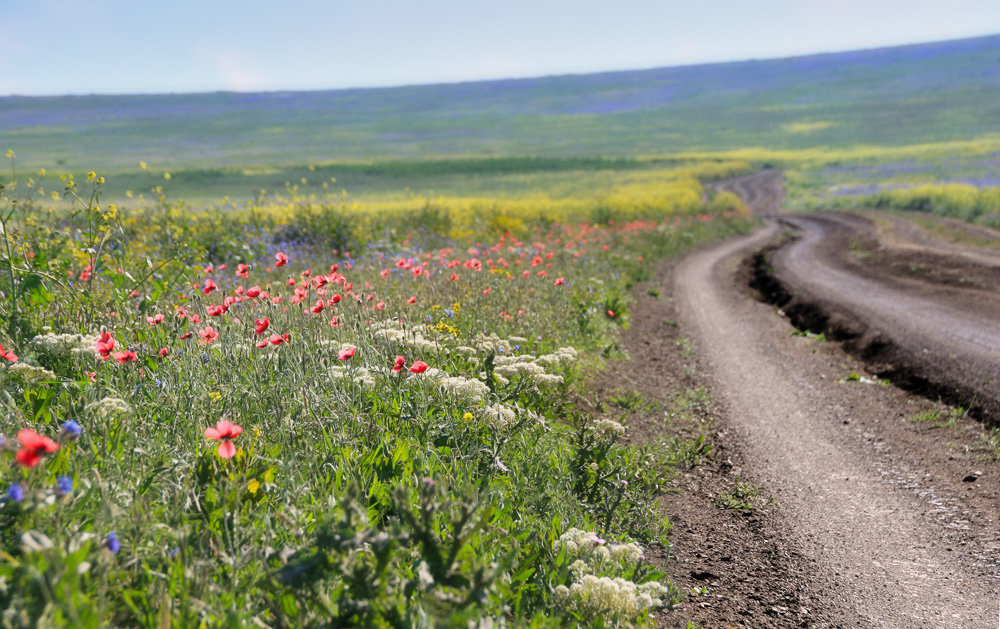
[919,93]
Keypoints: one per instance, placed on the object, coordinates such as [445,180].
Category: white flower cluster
[493,343]
[358,375]
[618,598]
[394,332]
[464,388]
[607,427]
[562,356]
[30,374]
[530,367]
[500,415]
[108,407]
[590,548]
[62,346]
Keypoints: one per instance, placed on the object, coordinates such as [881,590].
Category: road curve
[883,544]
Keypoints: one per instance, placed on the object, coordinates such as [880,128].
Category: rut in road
[879,548]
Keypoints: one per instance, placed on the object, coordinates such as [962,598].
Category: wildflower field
[300,409]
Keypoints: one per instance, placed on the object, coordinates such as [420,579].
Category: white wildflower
[109,407]
[30,374]
[606,427]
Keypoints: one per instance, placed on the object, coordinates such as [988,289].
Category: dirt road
[874,504]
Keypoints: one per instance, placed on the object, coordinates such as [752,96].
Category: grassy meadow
[317,359]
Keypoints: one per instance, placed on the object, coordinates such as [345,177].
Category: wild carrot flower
[224,432]
[35,447]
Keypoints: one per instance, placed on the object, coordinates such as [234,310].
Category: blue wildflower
[64,485]
[71,427]
[15,492]
[448,311]
[111,542]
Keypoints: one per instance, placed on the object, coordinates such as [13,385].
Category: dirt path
[874,504]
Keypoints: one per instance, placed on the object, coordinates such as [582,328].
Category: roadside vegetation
[304,411]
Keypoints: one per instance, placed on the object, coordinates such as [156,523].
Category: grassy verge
[216,423]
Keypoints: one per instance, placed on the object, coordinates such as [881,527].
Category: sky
[130,46]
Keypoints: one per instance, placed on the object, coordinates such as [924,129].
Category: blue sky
[132,46]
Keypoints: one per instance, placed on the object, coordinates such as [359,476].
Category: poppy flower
[216,311]
[155,319]
[344,354]
[243,271]
[208,335]
[411,300]
[225,431]
[418,366]
[8,355]
[92,375]
[253,291]
[559,281]
[185,336]
[380,305]
[164,352]
[261,324]
[209,286]
[280,259]
[35,447]
[126,356]
[335,299]
[105,344]
[398,366]
[318,308]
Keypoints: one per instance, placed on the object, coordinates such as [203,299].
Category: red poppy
[243,271]
[400,361]
[208,335]
[335,299]
[380,305]
[280,259]
[92,375]
[318,308]
[453,278]
[611,313]
[344,354]
[35,447]
[261,344]
[411,300]
[105,344]
[559,281]
[164,352]
[261,324]
[8,355]
[185,336]
[253,291]
[126,356]
[225,432]
[157,318]
[418,366]
[208,286]
[216,311]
